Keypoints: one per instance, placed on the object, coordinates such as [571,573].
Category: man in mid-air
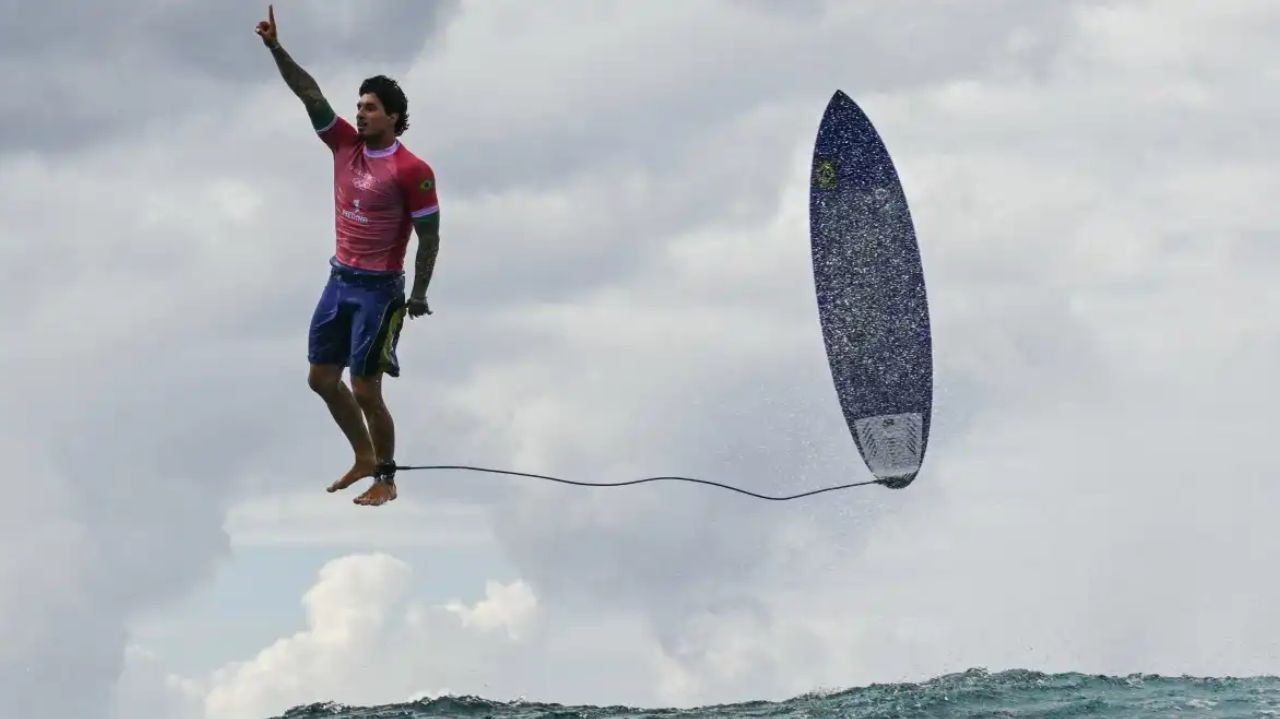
[380,191]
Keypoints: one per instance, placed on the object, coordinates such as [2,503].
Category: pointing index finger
[271,14]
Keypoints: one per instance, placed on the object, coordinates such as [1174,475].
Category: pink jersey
[377,194]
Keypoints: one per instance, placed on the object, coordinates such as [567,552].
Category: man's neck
[381,142]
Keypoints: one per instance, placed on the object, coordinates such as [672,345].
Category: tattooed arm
[298,80]
[428,231]
[302,84]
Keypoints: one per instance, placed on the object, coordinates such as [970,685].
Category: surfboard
[871,295]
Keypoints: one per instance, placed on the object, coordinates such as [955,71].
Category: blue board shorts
[357,321]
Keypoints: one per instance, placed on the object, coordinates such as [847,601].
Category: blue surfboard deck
[871,294]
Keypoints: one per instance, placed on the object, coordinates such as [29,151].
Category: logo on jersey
[355,215]
[426,185]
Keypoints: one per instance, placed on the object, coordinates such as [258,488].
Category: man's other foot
[380,493]
[363,467]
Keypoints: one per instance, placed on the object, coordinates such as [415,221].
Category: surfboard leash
[549,478]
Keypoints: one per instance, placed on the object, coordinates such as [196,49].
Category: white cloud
[365,638]
[147,689]
[506,608]
[352,610]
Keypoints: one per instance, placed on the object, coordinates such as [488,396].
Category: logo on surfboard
[824,174]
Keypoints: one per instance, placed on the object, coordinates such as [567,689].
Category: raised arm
[298,80]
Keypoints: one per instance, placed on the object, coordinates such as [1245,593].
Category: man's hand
[418,306]
[267,29]
[298,80]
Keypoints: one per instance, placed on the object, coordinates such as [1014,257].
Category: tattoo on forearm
[424,265]
[298,80]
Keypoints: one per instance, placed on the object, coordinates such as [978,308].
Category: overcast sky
[623,290]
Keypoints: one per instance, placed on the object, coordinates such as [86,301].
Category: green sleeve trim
[428,222]
[322,116]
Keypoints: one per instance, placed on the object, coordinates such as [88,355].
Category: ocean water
[968,695]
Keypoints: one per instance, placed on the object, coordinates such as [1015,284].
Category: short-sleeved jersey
[377,195]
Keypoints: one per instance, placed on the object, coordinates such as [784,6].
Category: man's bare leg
[326,381]
[382,433]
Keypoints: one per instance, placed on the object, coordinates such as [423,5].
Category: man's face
[371,119]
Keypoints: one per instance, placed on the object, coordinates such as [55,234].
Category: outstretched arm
[298,80]
[303,85]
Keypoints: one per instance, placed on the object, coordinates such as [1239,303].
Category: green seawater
[969,695]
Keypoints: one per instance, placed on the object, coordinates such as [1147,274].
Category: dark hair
[392,98]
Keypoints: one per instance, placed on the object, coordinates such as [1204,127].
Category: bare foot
[379,493]
[363,467]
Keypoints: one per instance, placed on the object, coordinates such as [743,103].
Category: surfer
[381,189]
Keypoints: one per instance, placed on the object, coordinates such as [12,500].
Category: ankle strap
[386,472]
